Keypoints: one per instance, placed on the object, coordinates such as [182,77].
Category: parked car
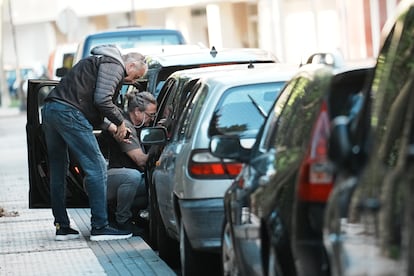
[13,84]
[123,38]
[189,183]
[129,37]
[274,208]
[61,56]
[369,222]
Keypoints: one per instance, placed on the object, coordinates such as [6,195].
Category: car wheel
[168,248]
[191,261]
[228,258]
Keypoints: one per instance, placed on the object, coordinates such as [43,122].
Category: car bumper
[203,222]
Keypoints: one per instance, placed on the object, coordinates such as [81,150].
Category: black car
[369,222]
[274,208]
[162,65]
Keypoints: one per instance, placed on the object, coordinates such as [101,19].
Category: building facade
[291,29]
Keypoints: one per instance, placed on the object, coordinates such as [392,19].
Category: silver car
[189,182]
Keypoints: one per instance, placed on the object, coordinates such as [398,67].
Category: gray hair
[139,99]
[137,59]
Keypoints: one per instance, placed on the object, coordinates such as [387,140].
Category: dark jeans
[126,189]
[66,129]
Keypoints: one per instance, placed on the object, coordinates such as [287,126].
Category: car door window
[271,123]
[165,102]
[294,123]
[395,62]
[173,103]
[391,88]
[192,109]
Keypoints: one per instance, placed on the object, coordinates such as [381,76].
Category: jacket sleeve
[109,76]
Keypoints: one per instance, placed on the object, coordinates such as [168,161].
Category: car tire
[191,260]
[228,258]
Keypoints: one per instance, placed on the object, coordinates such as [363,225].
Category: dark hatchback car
[369,224]
[162,65]
[274,208]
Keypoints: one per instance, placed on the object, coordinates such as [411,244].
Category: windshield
[133,40]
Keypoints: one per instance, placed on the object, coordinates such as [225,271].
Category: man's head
[142,107]
[135,66]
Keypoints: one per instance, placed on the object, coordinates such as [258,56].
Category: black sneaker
[109,233]
[66,233]
[132,227]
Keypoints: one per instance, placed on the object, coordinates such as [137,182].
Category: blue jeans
[66,129]
[126,189]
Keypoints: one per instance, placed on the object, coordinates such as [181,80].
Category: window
[243,109]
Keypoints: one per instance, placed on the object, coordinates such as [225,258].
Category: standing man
[77,105]
[126,188]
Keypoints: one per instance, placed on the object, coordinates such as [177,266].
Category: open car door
[39,189]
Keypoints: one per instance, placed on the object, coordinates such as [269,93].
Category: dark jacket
[93,85]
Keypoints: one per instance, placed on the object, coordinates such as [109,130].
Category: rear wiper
[259,108]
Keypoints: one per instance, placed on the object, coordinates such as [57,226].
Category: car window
[274,114]
[395,62]
[391,88]
[242,109]
[295,120]
[188,118]
[133,40]
[165,116]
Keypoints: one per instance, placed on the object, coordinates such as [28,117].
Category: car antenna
[250,66]
[213,52]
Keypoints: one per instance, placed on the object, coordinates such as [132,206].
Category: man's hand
[121,132]
[113,129]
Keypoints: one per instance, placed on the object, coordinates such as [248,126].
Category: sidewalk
[27,245]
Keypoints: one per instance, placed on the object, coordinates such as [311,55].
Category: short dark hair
[139,99]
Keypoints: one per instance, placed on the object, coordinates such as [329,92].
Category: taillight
[316,175]
[204,165]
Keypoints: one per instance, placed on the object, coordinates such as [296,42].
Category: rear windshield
[132,40]
[243,109]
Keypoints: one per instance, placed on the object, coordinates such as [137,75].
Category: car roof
[241,74]
[313,67]
[161,49]
[126,30]
[211,56]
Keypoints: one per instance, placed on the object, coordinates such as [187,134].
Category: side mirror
[229,147]
[153,136]
[60,72]
[333,58]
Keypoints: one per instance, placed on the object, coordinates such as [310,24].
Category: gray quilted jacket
[93,85]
